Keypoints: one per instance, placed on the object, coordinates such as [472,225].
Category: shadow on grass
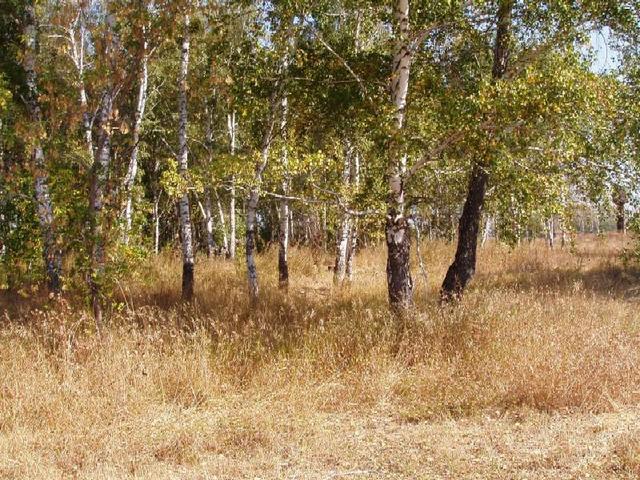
[609,280]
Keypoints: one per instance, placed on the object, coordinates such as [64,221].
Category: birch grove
[130,132]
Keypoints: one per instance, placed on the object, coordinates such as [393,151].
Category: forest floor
[535,374]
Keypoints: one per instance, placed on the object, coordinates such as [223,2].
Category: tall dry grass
[323,381]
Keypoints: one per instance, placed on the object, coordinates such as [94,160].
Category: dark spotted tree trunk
[464,265]
[619,200]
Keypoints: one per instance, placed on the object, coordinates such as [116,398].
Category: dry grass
[534,375]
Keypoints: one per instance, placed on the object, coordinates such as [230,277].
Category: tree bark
[51,253]
[183,153]
[353,240]
[551,232]
[620,219]
[252,206]
[254,193]
[464,264]
[132,169]
[208,223]
[78,54]
[344,229]
[232,126]
[463,267]
[223,226]
[156,223]
[99,175]
[619,200]
[399,281]
[283,233]
[488,228]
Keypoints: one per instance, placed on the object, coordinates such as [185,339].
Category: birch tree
[51,252]
[283,233]
[269,131]
[232,126]
[343,234]
[132,169]
[188,254]
[464,264]
[399,281]
[254,196]
[100,169]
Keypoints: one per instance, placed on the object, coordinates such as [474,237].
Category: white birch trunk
[399,280]
[292,237]
[353,240]
[183,153]
[254,194]
[78,57]
[98,184]
[223,225]
[252,209]
[132,169]
[551,232]
[344,229]
[208,222]
[283,234]
[207,210]
[488,229]
[156,224]
[232,126]
[51,253]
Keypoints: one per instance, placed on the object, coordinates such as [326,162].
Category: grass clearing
[534,375]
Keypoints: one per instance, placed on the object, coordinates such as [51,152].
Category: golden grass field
[534,375]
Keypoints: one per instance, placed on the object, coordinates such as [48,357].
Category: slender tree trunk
[353,241]
[207,209]
[254,194]
[620,219]
[252,271]
[342,247]
[354,176]
[232,126]
[291,230]
[488,227]
[223,226]
[252,211]
[78,54]
[183,153]
[619,200]
[283,234]
[156,224]
[51,253]
[132,170]
[99,175]
[324,227]
[344,230]
[463,267]
[98,184]
[551,232]
[208,223]
[399,281]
